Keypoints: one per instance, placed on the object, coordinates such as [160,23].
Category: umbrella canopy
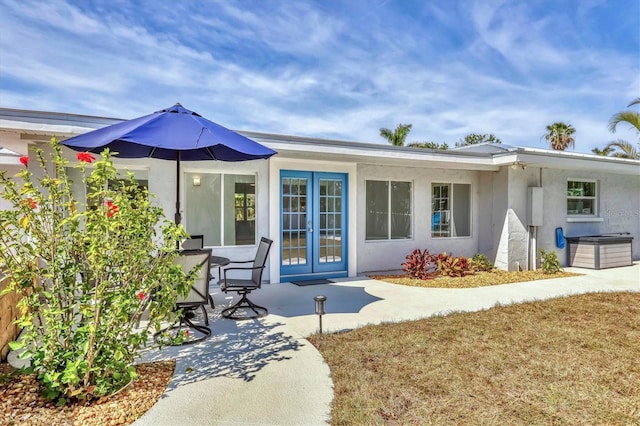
[171,134]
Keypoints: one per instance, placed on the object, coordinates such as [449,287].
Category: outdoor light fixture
[196,181]
[520,164]
[320,308]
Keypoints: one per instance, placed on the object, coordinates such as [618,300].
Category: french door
[313,223]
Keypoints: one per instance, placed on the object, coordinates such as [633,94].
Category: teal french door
[313,222]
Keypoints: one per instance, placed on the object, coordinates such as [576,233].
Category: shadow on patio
[235,350]
[290,300]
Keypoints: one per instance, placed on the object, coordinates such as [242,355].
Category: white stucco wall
[390,254]
[11,170]
[486,225]
[279,163]
[618,211]
[618,208]
[510,230]
[499,202]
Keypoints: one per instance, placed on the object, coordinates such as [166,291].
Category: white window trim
[389,181]
[450,184]
[222,195]
[577,217]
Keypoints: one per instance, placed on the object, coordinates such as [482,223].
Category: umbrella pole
[178,216]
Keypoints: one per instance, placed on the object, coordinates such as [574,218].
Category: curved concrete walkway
[264,372]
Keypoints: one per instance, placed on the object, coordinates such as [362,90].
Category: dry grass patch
[480,279]
[564,361]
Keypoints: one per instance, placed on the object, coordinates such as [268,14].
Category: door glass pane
[330,226]
[440,210]
[294,222]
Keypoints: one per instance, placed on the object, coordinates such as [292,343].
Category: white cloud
[339,70]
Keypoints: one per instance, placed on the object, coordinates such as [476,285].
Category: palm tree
[398,136]
[629,117]
[559,135]
[622,149]
[604,151]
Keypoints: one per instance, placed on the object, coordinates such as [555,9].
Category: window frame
[595,198]
[190,174]
[389,236]
[450,210]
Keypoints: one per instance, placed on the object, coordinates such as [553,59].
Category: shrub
[482,263]
[86,271]
[549,262]
[420,265]
[452,266]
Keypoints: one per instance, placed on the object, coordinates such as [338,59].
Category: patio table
[219,262]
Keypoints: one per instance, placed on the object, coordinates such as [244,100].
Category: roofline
[70,124]
[54,115]
[580,155]
[290,139]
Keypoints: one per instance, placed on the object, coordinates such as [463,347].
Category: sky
[337,69]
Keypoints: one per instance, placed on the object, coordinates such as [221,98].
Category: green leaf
[17,344]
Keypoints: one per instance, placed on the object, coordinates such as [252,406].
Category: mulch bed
[21,403]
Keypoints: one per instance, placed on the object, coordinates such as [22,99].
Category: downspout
[533,247]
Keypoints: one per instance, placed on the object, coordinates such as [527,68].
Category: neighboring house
[337,208]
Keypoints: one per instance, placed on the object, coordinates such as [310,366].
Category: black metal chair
[198,296]
[245,286]
[194,242]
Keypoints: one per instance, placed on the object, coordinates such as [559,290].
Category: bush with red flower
[86,269]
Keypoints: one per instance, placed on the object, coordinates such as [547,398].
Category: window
[222,207]
[80,190]
[388,210]
[582,198]
[450,210]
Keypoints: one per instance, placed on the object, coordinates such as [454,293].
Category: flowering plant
[86,269]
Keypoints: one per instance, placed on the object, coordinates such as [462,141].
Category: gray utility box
[599,251]
[535,212]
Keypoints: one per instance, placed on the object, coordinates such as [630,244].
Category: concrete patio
[264,372]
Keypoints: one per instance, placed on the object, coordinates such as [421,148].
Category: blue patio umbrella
[171,134]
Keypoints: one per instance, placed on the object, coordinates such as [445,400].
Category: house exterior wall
[385,255]
[276,165]
[499,184]
[161,176]
[511,232]
[486,207]
[162,183]
[618,208]
[11,170]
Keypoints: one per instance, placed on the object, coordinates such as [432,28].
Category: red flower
[31,203]
[186,333]
[85,157]
[141,295]
[111,208]
[24,160]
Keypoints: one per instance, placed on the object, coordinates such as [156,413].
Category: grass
[564,361]
[479,279]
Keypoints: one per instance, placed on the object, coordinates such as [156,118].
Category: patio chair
[194,242]
[198,296]
[245,286]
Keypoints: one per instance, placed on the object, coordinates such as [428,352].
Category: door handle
[309,228]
